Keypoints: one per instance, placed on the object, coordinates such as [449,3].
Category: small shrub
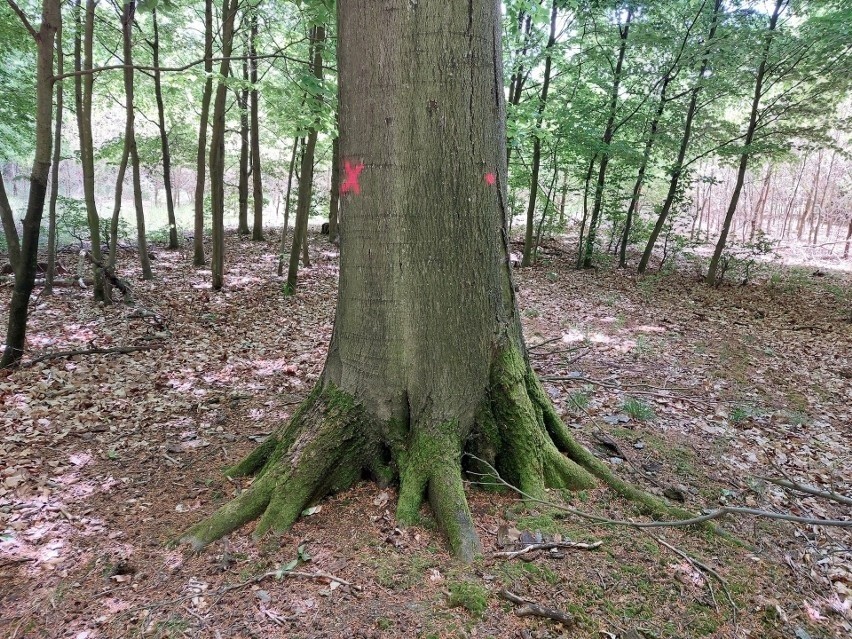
[468,595]
[637,409]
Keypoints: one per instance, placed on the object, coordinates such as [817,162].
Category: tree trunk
[519,74]
[609,132]
[217,148]
[677,170]
[529,248]
[810,200]
[746,153]
[306,175]
[116,210]
[50,272]
[757,224]
[848,241]
[200,163]
[83,46]
[256,178]
[16,333]
[10,227]
[283,247]
[334,206]
[242,102]
[164,136]
[640,176]
[127,18]
[820,207]
[427,361]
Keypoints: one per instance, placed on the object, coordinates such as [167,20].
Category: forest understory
[699,395]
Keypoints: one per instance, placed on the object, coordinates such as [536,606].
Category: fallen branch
[120,284]
[625,388]
[65,281]
[90,351]
[531,608]
[678,523]
[511,554]
[809,490]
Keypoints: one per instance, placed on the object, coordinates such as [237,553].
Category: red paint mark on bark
[490,179]
[351,181]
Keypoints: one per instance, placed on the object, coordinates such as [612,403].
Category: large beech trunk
[427,359]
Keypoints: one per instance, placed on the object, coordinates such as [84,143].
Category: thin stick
[709,516]
[532,608]
[810,490]
[90,351]
[511,554]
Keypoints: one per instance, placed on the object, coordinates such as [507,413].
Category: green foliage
[739,260]
[468,595]
[637,409]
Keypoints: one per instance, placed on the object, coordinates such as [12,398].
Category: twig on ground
[699,565]
[531,608]
[609,441]
[700,519]
[89,351]
[810,490]
[511,554]
[534,347]
[625,388]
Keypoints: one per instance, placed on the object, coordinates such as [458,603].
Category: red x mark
[351,181]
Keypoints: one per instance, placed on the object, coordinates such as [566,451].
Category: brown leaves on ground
[687,391]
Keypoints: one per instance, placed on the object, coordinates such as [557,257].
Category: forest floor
[687,391]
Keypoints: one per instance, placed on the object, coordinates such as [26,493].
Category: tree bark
[529,248]
[677,170]
[306,175]
[217,148]
[127,16]
[427,360]
[201,164]
[164,136]
[16,333]
[256,175]
[83,61]
[749,138]
[50,272]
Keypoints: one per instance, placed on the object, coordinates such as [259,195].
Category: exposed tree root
[332,441]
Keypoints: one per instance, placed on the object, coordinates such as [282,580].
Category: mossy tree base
[332,441]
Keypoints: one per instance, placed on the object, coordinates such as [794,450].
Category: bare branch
[23,18]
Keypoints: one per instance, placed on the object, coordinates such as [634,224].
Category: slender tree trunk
[820,206]
[256,175]
[116,209]
[200,164]
[217,147]
[519,74]
[427,361]
[164,136]
[761,203]
[609,132]
[242,101]
[562,200]
[677,170]
[529,249]
[640,176]
[712,271]
[586,184]
[306,175]
[10,227]
[16,333]
[83,61]
[848,241]
[334,206]
[810,200]
[283,247]
[792,203]
[127,18]
[54,171]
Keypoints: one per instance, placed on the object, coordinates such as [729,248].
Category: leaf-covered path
[693,393]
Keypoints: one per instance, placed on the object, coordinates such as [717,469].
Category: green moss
[468,595]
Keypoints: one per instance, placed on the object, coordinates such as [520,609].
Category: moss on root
[332,440]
